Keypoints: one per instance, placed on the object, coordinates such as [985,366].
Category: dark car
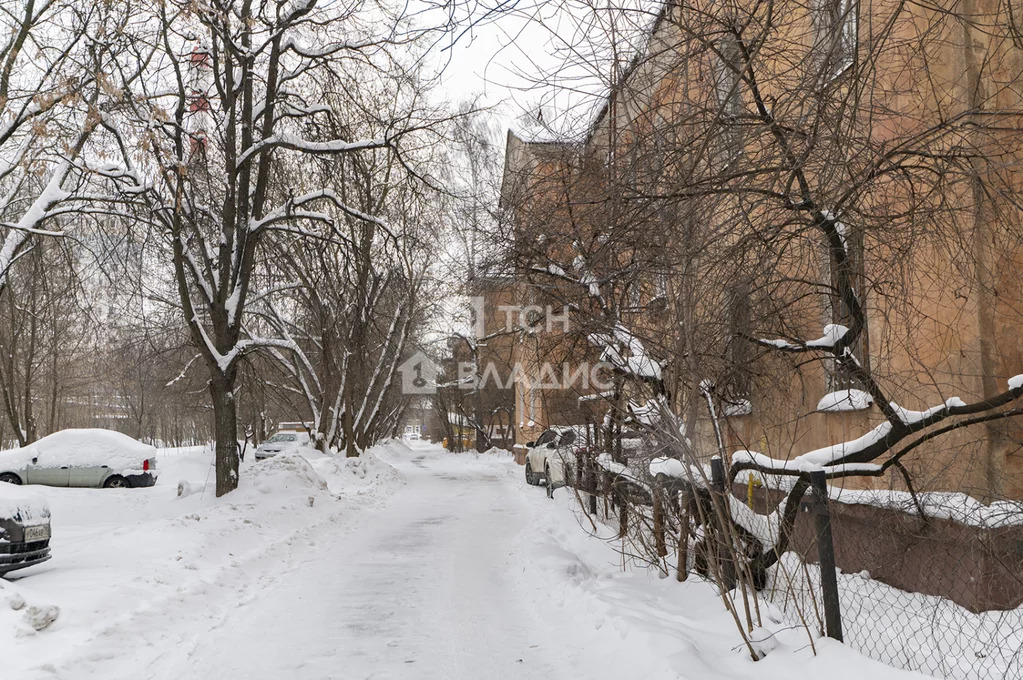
[24,528]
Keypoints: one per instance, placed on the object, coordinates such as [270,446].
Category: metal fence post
[717,474]
[826,554]
[591,479]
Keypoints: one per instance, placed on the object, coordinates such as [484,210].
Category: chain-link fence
[921,584]
[956,613]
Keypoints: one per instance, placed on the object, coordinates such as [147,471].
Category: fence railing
[920,593]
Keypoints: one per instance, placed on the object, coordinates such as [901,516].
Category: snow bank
[498,452]
[343,473]
[907,630]
[635,623]
[283,475]
[139,566]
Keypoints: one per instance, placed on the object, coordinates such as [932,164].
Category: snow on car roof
[83,447]
[29,507]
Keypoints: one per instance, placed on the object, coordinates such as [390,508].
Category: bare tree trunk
[482,440]
[225,415]
[33,332]
[348,422]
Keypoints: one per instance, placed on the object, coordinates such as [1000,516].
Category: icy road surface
[441,567]
[420,589]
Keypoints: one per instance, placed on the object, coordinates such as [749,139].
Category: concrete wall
[979,569]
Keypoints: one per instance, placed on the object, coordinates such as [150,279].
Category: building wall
[943,293]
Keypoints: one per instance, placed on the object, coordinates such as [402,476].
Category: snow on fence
[931,594]
[908,630]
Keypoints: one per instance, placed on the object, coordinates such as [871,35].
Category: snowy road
[419,589]
[321,568]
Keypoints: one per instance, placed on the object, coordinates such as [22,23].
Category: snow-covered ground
[908,630]
[444,566]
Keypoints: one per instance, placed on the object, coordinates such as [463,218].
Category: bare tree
[230,97]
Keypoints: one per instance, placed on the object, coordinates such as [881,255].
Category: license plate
[37,533]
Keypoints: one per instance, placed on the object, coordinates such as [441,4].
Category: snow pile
[28,507]
[496,452]
[87,447]
[845,400]
[633,622]
[140,566]
[283,475]
[20,617]
[341,473]
[907,630]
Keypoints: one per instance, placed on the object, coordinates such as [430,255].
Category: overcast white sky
[502,59]
[496,61]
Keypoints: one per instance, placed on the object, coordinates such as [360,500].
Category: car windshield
[283,438]
[547,437]
[567,437]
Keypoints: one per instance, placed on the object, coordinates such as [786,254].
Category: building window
[727,68]
[532,386]
[738,353]
[835,36]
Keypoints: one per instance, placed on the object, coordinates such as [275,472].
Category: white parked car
[551,458]
[85,457]
[281,442]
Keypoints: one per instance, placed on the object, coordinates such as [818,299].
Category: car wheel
[115,482]
[10,478]
[530,477]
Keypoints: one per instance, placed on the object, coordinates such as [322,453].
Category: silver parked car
[84,458]
[281,442]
